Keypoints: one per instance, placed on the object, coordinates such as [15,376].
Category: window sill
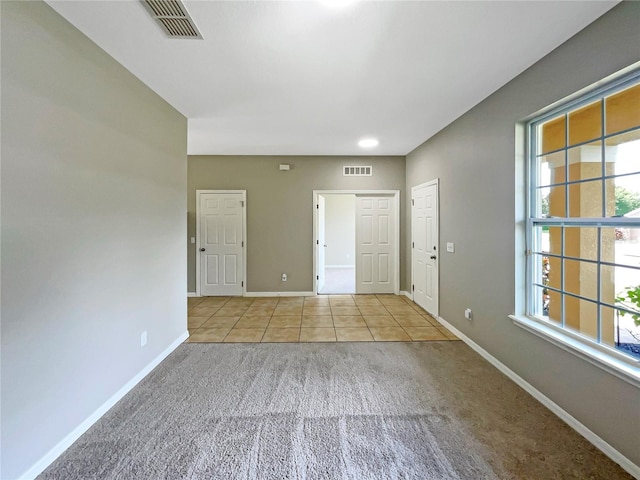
[629,371]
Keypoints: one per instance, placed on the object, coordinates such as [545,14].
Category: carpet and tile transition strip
[330,411]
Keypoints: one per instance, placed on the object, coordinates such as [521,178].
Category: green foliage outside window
[632,296]
[626,201]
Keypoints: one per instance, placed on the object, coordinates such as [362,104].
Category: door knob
[433,257]
[202,249]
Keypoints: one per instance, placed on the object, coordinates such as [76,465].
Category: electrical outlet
[143,339]
[468,314]
[284,277]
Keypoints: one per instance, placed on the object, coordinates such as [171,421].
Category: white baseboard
[67,441]
[565,416]
[298,294]
[339,266]
[279,294]
[406,294]
[192,294]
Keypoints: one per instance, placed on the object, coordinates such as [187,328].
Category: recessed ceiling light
[337,3]
[368,143]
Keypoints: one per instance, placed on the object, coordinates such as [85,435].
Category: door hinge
[413,201]
[413,244]
[527,252]
[242,203]
[242,243]
[242,284]
[317,277]
[317,206]
[317,242]
[413,288]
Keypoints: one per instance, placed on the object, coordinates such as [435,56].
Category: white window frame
[601,355]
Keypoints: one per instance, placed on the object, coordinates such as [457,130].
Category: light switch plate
[451,247]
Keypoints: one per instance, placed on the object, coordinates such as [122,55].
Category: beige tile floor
[323,318]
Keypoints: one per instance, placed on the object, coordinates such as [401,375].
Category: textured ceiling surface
[303,78]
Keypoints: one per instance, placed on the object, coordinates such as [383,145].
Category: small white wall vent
[173,18]
[353,171]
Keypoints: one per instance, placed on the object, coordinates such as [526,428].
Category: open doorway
[337,246]
[356,241]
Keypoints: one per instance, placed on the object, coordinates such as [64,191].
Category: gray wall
[279,209]
[340,230]
[93,222]
[475,160]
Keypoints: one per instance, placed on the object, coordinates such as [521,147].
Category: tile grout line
[418,311]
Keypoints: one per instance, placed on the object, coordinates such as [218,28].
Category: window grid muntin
[533,236]
[573,182]
[567,205]
[585,260]
[599,276]
[582,144]
[603,178]
[603,168]
[563,236]
[562,257]
[580,297]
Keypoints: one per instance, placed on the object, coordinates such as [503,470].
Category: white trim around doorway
[244,237]
[396,196]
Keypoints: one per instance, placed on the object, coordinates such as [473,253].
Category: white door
[322,241]
[424,242]
[221,243]
[375,244]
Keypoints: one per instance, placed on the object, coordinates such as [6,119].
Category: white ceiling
[302,78]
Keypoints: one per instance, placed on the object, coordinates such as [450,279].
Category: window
[583,229]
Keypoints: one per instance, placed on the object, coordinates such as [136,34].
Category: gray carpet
[431,410]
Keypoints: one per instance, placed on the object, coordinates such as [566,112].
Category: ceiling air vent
[173,18]
[349,171]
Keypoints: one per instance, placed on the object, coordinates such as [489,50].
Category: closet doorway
[337,244]
[356,242]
